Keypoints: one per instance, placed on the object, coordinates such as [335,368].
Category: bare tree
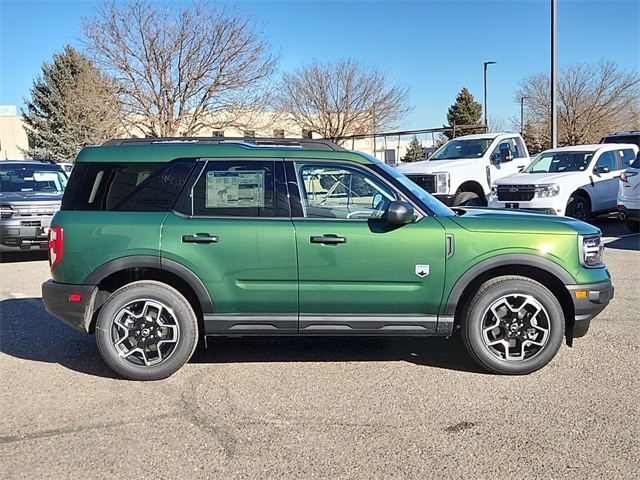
[592,101]
[177,68]
[340,99]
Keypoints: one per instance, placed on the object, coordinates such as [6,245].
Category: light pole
[522,99]
[485,93]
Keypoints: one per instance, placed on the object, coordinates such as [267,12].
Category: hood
[565,178]
[431,166]
[481,219]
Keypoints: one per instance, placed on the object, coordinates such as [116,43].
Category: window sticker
[235,189]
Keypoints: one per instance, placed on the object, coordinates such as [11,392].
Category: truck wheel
[146,330]
[513,325]
[578,207]
[468,199]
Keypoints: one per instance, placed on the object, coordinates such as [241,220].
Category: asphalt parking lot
[319,408]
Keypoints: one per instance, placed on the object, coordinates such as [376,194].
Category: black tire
[633,225]
[468,199]
[578,207]
[513,325]
[146,330]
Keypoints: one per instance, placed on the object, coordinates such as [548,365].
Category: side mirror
[506,155]
[399,213]
[601,169]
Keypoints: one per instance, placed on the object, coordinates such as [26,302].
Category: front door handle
[203,238]
[327,239]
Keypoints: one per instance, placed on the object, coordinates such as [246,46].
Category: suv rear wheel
[146,331]
[513,325]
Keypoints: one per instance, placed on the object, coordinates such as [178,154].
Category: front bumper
[15,239]
[78,313]
[588,302]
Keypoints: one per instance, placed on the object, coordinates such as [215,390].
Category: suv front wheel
[146,330]
[513,325]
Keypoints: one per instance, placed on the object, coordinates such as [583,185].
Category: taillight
[55,245]
[624,176]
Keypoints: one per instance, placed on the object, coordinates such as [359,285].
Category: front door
[357,273]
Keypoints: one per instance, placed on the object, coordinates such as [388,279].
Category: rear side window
[126,186]
[239,188]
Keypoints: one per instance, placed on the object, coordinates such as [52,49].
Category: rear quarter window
[126,186]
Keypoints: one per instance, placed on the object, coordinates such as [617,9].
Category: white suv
[629,196]
[576,181]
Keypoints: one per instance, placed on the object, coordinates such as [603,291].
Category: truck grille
[426,182]
[516,193]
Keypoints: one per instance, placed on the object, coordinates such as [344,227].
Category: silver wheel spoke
[145,332]
[515,327]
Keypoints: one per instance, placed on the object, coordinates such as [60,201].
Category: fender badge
[422,270]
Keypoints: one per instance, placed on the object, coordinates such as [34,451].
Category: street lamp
[522,99]
[485,92]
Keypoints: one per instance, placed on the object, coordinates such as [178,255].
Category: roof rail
[303,143]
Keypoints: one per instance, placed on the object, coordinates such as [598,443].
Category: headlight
[494,191]
[591,251]
[6,211]
[442,182]
[548,190]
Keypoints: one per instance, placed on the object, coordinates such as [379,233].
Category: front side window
[513,145]
[343,192]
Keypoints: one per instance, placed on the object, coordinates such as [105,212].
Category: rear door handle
[203,238]
[328,239]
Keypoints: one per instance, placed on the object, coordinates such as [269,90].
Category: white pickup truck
[462,170]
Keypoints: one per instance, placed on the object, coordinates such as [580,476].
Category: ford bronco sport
[160,242]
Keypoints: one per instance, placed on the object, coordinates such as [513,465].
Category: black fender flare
[157,263]
[500,261]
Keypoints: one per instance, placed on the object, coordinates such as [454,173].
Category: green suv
[160,242]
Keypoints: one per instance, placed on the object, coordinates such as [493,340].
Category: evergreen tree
[466,111]
[72,105]
[414,151]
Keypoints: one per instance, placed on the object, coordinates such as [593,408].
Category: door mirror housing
[399,213]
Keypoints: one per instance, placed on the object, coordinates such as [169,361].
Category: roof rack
[303,143]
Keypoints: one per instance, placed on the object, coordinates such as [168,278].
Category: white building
[389,148]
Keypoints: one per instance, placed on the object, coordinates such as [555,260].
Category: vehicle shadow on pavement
[439,352]
[28,332]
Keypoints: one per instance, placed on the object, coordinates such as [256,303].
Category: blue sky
[434,47]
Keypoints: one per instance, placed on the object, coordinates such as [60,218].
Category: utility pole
[485,93]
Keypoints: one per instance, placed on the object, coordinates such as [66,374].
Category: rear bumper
[78,313]
[588,302]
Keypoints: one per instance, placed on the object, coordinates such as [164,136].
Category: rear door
[234,232]
[605,183]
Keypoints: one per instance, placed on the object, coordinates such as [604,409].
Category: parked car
[578,181]
[622,137]
[629,196]
[30,193]
[160,242]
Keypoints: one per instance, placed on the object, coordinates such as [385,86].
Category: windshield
[24,180]
[433,204]
[555,162]
[456,148]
